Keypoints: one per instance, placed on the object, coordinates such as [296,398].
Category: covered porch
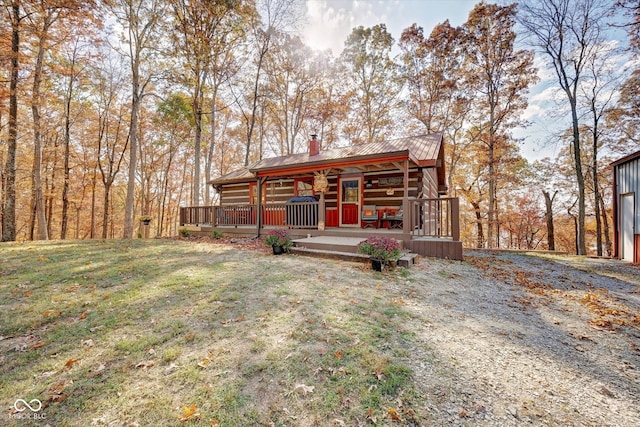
[429,227]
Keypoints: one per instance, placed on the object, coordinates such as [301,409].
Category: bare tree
[569,33]
[141,19]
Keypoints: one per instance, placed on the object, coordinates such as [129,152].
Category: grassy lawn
[165,333]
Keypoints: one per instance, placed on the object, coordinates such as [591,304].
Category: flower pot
[376,264]
[277,249]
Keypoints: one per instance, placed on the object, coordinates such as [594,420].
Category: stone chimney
[314,145]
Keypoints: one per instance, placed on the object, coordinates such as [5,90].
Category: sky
[329,23]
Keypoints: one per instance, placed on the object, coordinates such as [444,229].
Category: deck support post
[321,212]
[261,180]
[406,207]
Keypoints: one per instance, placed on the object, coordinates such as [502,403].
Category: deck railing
[436,217]
[197,215]
[439,218]
[292,215]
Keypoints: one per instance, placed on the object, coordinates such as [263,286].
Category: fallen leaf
[338,354]
[83,316]
[189,412]
[146,364]
[303,389]
[190,336]
[338,422]
[204,362]
[395,416]
[215,422]
[70,363]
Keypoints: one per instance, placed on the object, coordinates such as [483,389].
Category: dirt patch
[518,339]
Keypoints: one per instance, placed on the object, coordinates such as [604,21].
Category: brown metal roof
[423,150]
[626,159]
[240,175]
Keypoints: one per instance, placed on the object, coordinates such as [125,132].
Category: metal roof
[423,150]
[420,149]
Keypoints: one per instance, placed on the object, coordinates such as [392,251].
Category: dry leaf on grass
[189,412]
[303,389]
[395,416]
[204,362]
[70,363]
[146,364]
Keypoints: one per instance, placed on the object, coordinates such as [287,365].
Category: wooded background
[115,110]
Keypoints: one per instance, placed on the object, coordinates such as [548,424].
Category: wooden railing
[436,217]
[291,215]
[197,215]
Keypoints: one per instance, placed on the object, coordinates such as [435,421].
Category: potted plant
[146,219]
[381,250]
[279,240]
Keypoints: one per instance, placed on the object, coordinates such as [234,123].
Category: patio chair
[369,216]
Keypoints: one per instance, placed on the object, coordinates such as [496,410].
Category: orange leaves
[70,363]
[146,364]
[610,314]
[394,414]
[189,413]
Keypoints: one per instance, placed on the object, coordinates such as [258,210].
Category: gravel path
[507,339]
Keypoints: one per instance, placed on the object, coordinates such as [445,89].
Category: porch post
[406,208]
[321,212]
[259,206]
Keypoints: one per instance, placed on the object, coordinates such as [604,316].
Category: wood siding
[281,190]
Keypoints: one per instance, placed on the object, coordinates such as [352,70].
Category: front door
[627,226]
[350,190]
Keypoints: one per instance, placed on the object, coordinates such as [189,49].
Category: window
[304,187]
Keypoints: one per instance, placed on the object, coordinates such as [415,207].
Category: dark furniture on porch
[369,216]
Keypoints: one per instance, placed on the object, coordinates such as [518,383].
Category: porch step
[330,243]
[341,248]
[330,254]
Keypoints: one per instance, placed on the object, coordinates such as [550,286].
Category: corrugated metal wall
[628,180]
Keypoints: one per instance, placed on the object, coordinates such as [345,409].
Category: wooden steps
[340,248]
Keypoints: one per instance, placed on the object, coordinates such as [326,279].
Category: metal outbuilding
[626,207]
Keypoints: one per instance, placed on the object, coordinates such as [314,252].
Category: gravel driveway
[506,339]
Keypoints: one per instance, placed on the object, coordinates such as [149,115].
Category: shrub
[279,238]
[184,232]
[380,247]
[217,234]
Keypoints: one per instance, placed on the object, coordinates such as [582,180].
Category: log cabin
[394,187]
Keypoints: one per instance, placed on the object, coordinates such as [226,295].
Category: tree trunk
[9,208]
[37,134]
[548,201]
[605,222]
[480,231]
[67,140]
